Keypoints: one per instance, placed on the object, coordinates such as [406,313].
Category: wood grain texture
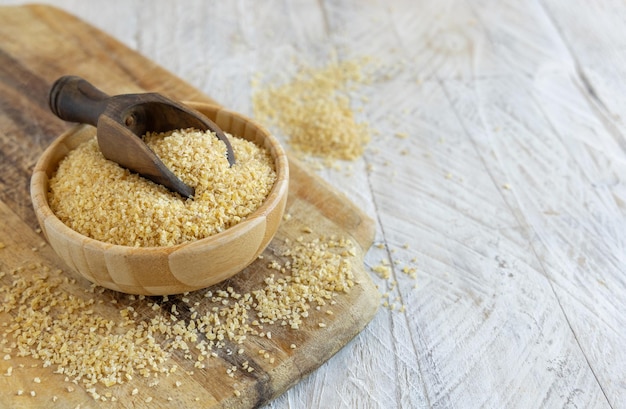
[324,210]
[509,190]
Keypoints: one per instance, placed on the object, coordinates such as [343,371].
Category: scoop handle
[74,99]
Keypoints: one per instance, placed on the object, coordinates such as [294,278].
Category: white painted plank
[564,164]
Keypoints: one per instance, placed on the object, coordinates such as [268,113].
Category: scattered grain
[382,270]
[67,330]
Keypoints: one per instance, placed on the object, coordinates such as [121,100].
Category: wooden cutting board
[41,43]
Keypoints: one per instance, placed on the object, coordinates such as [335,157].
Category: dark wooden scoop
[121,122]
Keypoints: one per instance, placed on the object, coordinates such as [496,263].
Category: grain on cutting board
[311,202]
[71,333]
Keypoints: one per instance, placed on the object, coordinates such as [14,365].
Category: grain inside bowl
[101,200]
[170,269]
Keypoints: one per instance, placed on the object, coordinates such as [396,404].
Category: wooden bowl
[164,270]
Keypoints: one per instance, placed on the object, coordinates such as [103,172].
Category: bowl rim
[39,196]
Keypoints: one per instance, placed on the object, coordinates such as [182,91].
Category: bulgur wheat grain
[315,112]
[69,333]
[100,199]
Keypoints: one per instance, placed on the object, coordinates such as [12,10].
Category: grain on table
[314,110]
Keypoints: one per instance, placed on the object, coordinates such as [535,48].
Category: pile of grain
[100,199]
[314,110]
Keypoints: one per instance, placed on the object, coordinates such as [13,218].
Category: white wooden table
[512,197]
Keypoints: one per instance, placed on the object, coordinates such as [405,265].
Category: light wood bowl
[164,270]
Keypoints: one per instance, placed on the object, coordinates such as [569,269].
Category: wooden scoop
[121,122]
